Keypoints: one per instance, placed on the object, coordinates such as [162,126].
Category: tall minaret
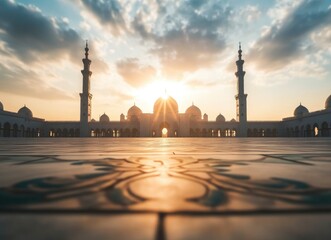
[85,96]
[241,97]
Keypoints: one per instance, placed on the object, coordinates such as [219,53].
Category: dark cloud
[288,40]
[27,83]
[187,35]
[181,52]
[108,13]
[134,73]
[32,36]
[193,35]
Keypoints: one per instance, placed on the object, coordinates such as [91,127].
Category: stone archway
[325,130]
[164,129]
[6,129]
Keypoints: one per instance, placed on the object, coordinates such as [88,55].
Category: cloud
[135,73]
[28,83]
[251,13]
[98,66]
[193,36]
[31,36]
[201,83]
[323,37]
[205,78]
[108,13]
[185,35]
[31,40]
[288,39]
[121,96]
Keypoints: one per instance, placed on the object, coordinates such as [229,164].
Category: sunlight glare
[165,95]
[160,88]
[164,132]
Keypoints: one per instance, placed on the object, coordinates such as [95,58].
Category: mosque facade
[166,120]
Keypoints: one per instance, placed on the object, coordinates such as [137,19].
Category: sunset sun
[161,88]
[165,119]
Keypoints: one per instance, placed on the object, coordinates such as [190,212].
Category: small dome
[300,111]
[328,103]
[193,112]
[25,112]
[233,120]
[220,118]
[93,120]
[122,117]
[134,113]
[104,118]
[1,106]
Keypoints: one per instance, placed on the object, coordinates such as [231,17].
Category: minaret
[85,96]
[241,97]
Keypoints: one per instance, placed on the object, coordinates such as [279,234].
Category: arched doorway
[22,130]
[164,132]
[308,130]
[6,129]
[135,132]
[325,130]
[15,130]
[71,132]
[316,130]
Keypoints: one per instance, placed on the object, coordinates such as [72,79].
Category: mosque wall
[166,120]
[311,124]
[14,125]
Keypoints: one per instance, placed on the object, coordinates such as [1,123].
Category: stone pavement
[165,188]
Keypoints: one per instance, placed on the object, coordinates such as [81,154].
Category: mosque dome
[93,120]
[165,105]
[104,118]
[328,103]
[193,112]
[300,111]
[134,112]
[233,120]
[1,106]
[25,112]
[220,118]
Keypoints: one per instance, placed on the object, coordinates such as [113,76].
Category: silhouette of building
[166,119]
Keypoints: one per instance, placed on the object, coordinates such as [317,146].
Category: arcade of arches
[166,120]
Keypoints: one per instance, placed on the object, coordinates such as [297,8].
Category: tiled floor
[165,188]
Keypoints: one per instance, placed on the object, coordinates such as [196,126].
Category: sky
[188,48]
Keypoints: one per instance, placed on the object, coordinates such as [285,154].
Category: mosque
[166,121]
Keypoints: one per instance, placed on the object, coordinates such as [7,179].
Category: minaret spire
[85,96]
[241,97]
[86,50]
[239,51]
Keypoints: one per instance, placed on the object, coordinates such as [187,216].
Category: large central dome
[165,106]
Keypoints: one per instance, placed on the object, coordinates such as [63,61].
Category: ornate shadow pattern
[169,184]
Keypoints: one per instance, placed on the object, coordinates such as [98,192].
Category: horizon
[138,50]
